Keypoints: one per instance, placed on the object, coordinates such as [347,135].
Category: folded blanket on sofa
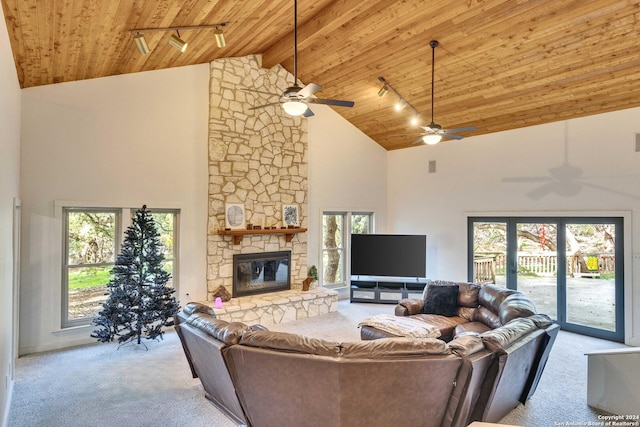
[401,326]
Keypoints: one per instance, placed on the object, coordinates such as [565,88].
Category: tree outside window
[92,238]
[90,250]
[336,229]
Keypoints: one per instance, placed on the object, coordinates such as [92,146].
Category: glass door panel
[591,275]
[489,252]
[537,266]
[572,268]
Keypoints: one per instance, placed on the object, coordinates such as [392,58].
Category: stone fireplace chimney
[257,158]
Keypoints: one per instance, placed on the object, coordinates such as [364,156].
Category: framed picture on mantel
[234,217]
[290,215]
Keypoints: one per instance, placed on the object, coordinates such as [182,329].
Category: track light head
[141,44]
[219,35]
[177,42]
[383,91]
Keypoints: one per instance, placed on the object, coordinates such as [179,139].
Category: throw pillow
[442,300]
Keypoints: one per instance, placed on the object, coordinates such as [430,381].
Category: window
[91,242]
[336,229]
[92,239]
[167,225]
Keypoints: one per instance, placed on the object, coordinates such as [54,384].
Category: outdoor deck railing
[487,266]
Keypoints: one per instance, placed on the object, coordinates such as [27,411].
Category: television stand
[386,291]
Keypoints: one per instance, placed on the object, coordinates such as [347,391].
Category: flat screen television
[397,255]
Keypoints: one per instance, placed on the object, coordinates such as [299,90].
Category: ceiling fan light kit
[294,108]
[294,99]
[434,132]
[432,139]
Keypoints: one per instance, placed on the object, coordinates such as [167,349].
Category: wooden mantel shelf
[239,234]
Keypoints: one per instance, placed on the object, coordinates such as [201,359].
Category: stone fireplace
[261,273]
[258,159]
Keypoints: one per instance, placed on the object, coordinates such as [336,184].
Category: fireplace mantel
[239,234]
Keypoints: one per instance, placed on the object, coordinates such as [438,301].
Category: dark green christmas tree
[140,302]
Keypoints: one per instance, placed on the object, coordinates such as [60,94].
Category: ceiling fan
[565,180]
[434,132]
[294,100]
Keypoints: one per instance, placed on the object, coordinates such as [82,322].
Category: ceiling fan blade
[418,141]
[335,102]
[308,113]
[540,192]
[260,91]
[452,136]
[309,90]
[264,105]
[467,129]
[611,190]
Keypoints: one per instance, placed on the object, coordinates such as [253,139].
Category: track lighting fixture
[177,42]
[219,35]
[402,103]
[175,39]
[141,44]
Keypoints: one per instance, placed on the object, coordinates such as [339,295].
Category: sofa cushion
[470,327]
[468,294]
[488,317]
[542,321]
[467,313]
[290,342]
[446,325]
[467,345]
[508,334]
[491,296]
[196,307]
[393,348]
[514,306]
[441,299]
[229,333]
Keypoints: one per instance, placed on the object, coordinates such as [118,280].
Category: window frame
[175,271]
[66,210]
[345,249]
[124,216]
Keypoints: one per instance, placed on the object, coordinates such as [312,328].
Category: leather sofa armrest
[409,306]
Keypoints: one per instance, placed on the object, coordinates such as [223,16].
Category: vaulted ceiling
[501,64]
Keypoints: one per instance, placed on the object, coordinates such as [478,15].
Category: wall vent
[432,165]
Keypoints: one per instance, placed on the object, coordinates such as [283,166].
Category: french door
[571,267]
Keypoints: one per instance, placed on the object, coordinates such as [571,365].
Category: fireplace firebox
[260,273]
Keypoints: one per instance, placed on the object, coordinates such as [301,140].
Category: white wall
[120,141]
[347,172]
[469,179]
[9,191]
[142,138]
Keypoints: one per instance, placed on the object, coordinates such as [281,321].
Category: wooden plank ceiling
[501,64]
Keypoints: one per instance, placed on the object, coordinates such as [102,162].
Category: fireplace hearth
[260,273]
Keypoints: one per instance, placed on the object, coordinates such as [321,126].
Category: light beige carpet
[98,385]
